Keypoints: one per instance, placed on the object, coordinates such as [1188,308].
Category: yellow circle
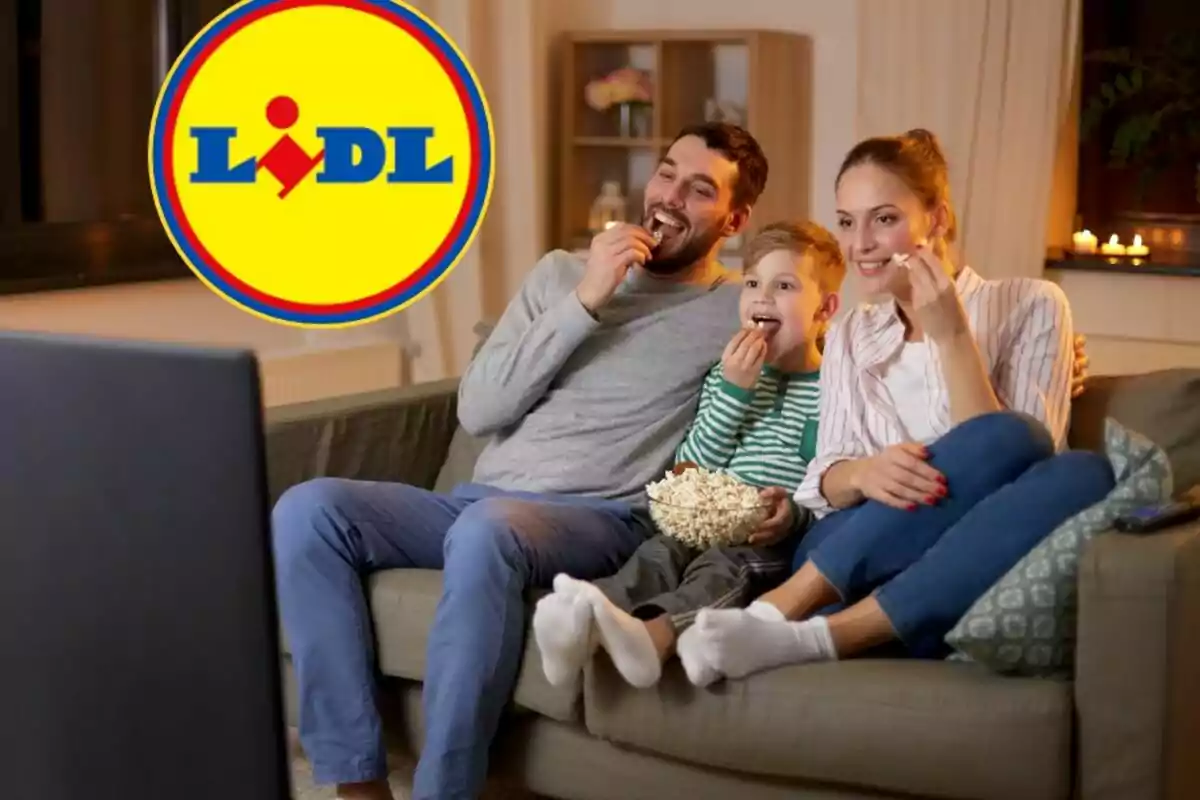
[323,243]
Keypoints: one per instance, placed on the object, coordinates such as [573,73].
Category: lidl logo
[350,155]
[321,162]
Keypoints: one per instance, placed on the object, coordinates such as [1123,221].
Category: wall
[1134,323]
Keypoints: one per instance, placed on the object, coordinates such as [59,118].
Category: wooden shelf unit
[766,73]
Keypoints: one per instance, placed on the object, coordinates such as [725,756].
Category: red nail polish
[941,492]
[912,506]
[942,480]
[930,500]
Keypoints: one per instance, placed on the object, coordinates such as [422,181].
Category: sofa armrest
[1137,679]
[392,435]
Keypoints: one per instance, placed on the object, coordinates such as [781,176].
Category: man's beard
[697,245]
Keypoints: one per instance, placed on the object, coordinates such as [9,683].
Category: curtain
[994,80]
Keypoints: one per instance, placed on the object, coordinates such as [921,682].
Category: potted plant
[1156,92]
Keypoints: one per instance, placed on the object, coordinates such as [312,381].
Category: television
[78,84]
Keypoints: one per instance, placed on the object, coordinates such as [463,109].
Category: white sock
[562,627]
[624,636]
[696,650]
[737,643]
[692,649]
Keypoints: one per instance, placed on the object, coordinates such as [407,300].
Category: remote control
[1149,519]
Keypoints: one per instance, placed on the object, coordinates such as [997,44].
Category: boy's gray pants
[666,576]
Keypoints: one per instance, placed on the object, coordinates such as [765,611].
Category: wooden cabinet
[762,78]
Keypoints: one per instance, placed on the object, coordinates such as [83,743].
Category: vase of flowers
[629,90]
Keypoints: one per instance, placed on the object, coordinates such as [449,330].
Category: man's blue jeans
[330,533]
[1008,490]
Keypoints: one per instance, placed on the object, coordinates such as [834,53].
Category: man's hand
[1079,373]
[742,361]
[778,524]
[898,476]
[612,253]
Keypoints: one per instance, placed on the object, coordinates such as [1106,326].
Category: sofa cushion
[465,449]
[399,434]
[1163,406]
[925,728]
[403,603]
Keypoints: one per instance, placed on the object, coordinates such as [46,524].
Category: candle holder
[1084,247]
[1083,243]
[1112,247]
[608,208]
[1137,249]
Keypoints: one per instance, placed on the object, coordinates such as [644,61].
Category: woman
[944,415]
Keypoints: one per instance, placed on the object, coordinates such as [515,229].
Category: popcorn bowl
[705,523]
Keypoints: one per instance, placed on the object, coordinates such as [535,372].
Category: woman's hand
[899,477]
[778,524]
[936,304]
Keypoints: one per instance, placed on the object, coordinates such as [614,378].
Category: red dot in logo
[282,112]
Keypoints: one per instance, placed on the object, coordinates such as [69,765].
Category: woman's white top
[908,378]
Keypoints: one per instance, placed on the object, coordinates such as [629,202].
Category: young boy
[756,421]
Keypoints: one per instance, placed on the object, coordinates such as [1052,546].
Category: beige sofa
[1126,728]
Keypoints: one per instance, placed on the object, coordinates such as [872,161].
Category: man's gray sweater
[576,405]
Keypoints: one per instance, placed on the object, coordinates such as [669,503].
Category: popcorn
[703,508]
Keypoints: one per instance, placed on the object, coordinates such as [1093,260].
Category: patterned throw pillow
[1025,624]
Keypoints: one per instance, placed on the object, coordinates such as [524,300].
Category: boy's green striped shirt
[765,436]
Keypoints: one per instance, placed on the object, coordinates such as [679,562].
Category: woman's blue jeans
[1007,490]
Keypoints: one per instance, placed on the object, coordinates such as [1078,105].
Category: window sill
[1179,265]
[163,272]
[56,256]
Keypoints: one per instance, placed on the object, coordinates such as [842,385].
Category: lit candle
[1137,248]
[1113,247]
[1084,241]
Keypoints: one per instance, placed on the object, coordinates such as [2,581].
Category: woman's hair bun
[928,142]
